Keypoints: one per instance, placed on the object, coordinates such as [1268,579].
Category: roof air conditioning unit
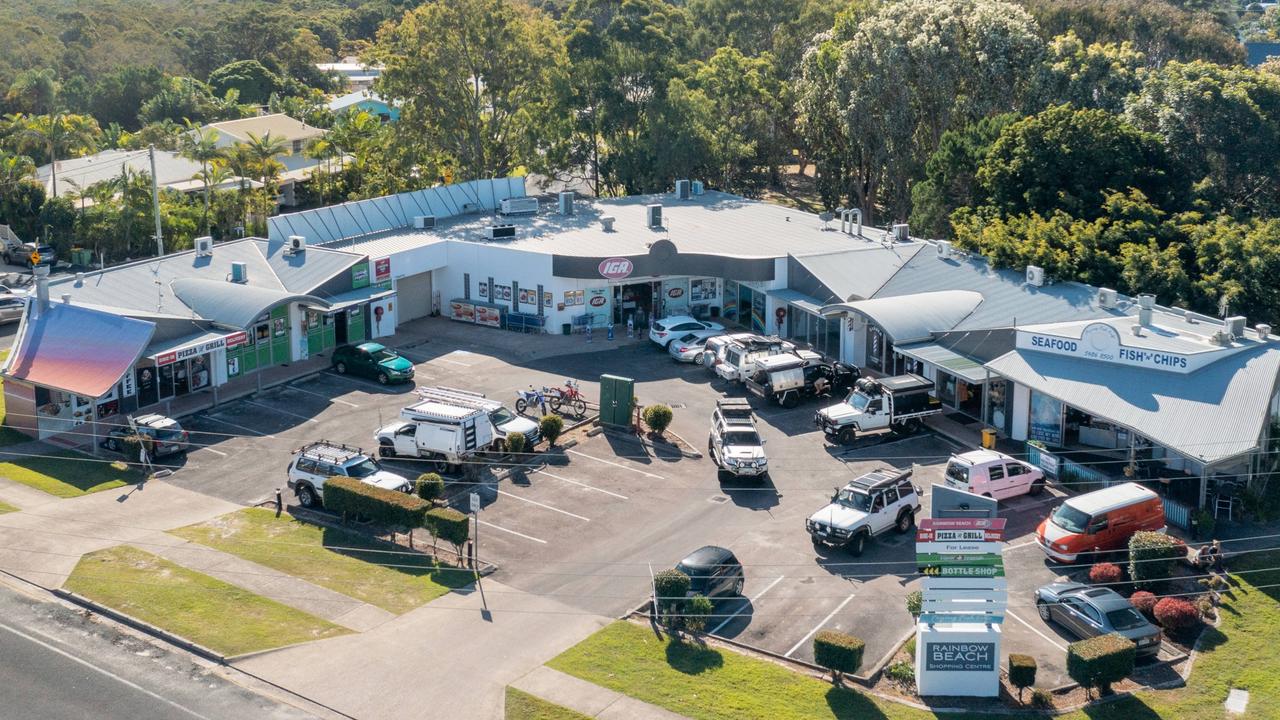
[1234,326]
[204,246]
[519,206]
[1035,275]
[566,202]
[1264,331]
[901,233]
[697,187]
[239,272]
[944,249]
[500,232]
[1106,298]
[424,222]
[683,189]
[606,222]
[654,213]
[297,244]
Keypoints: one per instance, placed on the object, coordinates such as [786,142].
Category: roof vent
[519,206]
[1136,329]
[424,222]
[1106,298]
[297,244]
[1035,275]
[204,246]
[901,233]
[1264,331]
[1147,301]
[847,221]
[606,222]
[1144,316]
[239,272]
[654,214]
[697,187]
[944,249]
[566,202]
[683,189]
[1234,326]
[500,232]
[66,298]
[79,279]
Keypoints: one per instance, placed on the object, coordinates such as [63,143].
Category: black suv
[713,572]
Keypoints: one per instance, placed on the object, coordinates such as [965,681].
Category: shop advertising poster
[462,311]
[490,316]
[382,269]
[360,276]
[384,316]
[1046,419]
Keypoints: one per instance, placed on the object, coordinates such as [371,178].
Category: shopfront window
[730,306]
[947,388]
[997,409]
[1046,420]
[875,348]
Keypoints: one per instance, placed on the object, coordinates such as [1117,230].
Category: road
[55,663]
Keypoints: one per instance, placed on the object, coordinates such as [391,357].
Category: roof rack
[878,477]
[460,398]
[332,452]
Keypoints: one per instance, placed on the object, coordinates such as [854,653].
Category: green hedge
[449,525]
[1022,672]
[1100,661]
[838,652]
[429,486]
[387,508]
[551,427]
[657,417]
[671,586]
[698,610]
[516,442]
[1151,558]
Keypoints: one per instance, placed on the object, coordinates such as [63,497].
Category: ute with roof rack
[898,404]
[316,462]
[882,500]
[446,427]
[790,377]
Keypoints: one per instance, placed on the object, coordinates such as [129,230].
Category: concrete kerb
[140,625]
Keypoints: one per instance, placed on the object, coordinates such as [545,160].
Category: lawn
[7,508]
[523,706]
[205,610]
[710,684]
[311,552]
[69,474]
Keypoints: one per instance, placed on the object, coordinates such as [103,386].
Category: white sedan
[689,347]
[665,330]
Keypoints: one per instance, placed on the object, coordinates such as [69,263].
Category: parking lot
[591,525]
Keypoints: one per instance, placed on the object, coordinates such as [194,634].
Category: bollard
[609,335]
[279,503]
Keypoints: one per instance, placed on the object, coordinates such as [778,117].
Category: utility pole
[155,200]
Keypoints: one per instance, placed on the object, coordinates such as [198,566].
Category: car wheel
[307,497]
[340,368]
[383,378]
[846,436]
[737,587]
[905,521]
[1043,608]
[790,400]
[699,359]
[440,465]
[857,544]
[8,260]
[113,444]
[387,450]
[1037,488]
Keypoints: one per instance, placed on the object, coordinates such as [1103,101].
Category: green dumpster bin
[617,395]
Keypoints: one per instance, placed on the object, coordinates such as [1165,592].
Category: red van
[1099,521]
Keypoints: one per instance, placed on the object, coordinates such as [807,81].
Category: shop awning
[799,299]
[966,369]
[233,304]
[77,350]
[913,318]
[342,301]
[198,343]
[1214,413]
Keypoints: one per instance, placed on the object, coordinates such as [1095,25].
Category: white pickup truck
[445,433]
[897,403]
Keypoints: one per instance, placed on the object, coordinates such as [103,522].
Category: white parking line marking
[282,412]
[445,358]
[215,452]
[543,505]
[1055,643]
[724,622]
[513,532]
[257,433]
[818,627]
[624,467]
[1019,545]
[580,484]
[322,395]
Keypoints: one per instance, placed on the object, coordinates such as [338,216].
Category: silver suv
[734,444]
[314,463]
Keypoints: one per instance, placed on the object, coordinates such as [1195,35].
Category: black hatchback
[713,572]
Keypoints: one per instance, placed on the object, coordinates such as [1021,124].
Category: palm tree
[15,168]
[321,149]
[240,159]
[60,135]
[201,146]
[264,150]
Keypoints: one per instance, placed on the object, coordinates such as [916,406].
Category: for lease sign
[960,657]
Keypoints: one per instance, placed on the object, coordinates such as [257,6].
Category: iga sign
[960,657]
[616,268]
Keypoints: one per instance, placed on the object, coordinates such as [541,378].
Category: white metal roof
[949,360]
[912,318]
[433,410]
[1110,498]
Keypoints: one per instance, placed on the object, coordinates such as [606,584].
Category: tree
[33,91]
[670,588]
[745,102]
[480,80]
[59,136]
[253,81]
[1088,76]
[118,95]
[201,146]
[950,180]
[1160,30]
[1238,263]
[838,652]
[697,611]
[322,149]
[262,152]
[429,486]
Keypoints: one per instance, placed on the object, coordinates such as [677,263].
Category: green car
[372,361]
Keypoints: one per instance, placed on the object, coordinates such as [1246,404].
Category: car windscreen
[660,326]
[698,576]
[361,468]
[741,437]
[384,356]
[958,471]
[501,417]
[1125,619]
[169,433]
[858,401]
[1070,519]
[854,499]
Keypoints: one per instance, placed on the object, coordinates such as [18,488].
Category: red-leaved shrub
[1176,613]
[1144,601]
[1105,574]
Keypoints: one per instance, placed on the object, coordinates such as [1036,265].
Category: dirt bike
[569,396]
[531,397]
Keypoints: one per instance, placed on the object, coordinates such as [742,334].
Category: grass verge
[523,706]
[7,508]
[69,474]
[205,610]
[312,553]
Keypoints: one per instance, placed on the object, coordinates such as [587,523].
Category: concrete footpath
[588,698]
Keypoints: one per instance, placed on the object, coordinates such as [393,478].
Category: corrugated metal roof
[1214,413]
[800,300]
[856,274]
[305,271]
[354,297]
[232,304]
[912,318]
[389,243]
[949,360]
[279,125]
[51,351]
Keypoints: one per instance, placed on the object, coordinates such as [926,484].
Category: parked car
[166,434]
[871,505]
[668,329]
[1099,521]
[898,404]
[713,572]
[993,474]
[690,346]
[11,308]
[316,462]
[734,443]
[1087,611]
[788,378]
[738,361]
[713,351]
[22,254]
[372,360]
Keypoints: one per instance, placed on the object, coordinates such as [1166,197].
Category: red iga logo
[600,300]
[616,268]
[675,292]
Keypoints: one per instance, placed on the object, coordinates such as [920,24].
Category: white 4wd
[993,474]
[881,500]
[313,464]
[734,444]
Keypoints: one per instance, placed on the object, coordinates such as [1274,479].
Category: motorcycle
[569,395]
[531,397]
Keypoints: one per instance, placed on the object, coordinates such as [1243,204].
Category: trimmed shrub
[902,671]
[1144,601]
[429,486]
[696,612]
[1208,609]
[1100,661]
[1022,672]
[1151,558]
[657,417]
[516,443]
[1041,699]
[1176,613]
[670,588]
[838,652]
[551,427]
[388,508]
[449,525]
[915,601]
[1105,574]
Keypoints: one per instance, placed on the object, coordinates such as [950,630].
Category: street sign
[980,618]
[960,529]
[952,571]
[35,258]
[475,502]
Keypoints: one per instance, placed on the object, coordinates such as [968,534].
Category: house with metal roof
[173,172]
[364,101]
[295,134]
